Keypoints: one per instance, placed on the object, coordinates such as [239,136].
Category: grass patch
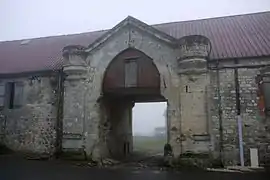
[149,144]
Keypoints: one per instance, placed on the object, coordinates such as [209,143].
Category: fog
[147,116]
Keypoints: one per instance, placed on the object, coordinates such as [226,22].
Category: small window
[14,94]
[187,89]
[131,73]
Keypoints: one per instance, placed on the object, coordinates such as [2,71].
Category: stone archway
[130,77]
[86,111]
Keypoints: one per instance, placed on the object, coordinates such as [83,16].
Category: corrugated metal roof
[231,37]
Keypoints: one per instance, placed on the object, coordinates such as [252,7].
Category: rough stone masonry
[79,119]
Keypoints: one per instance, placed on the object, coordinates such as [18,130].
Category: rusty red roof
[231,37]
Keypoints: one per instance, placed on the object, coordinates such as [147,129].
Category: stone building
[76,92]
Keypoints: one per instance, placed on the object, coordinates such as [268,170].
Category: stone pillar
[74,91]
[120,135]
[128,125]
[194,80]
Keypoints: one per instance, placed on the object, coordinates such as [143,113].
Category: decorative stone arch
[146,88]
[92,109]
[167,73]
[175,65]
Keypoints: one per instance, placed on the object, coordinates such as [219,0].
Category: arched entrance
[131,77]
[102,82]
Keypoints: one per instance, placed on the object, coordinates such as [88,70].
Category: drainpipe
[59,125]
[219,115]
[239,119]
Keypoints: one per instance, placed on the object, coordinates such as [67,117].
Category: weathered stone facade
[188,84]
[255,126]
[194,101]
[32,127]
[95,65]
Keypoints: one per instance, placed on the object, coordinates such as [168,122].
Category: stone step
[245,168]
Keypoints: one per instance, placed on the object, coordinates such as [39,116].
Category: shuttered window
[266,94]
[14,94]
[131,73]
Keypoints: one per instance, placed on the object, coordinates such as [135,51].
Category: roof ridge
[219,17]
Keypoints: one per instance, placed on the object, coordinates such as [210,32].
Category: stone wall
[256,132]
[119,138]
[194,114]
[32,127]
[228,107]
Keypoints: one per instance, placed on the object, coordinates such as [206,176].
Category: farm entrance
[149,128]
[131,77]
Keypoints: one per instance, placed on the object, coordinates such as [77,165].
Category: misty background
[23,19]
[147,116]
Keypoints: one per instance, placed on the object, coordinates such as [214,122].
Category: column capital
[74,55]
[194,53]
[75,66]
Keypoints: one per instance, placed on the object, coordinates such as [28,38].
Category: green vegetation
[149,144]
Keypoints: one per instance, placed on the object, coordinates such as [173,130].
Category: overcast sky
[22,19]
